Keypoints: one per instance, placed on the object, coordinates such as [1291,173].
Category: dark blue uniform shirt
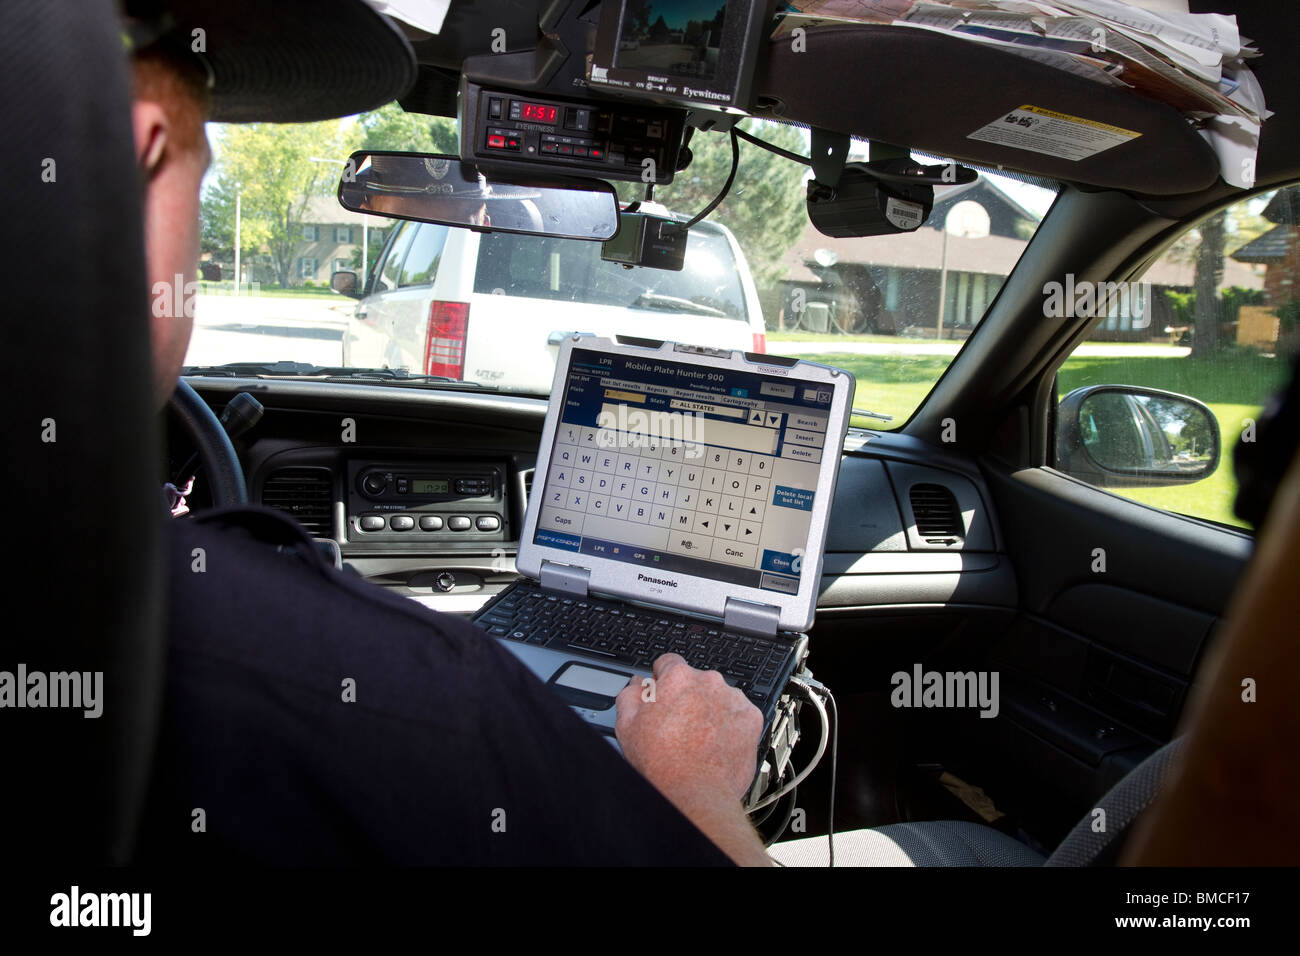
[451,752]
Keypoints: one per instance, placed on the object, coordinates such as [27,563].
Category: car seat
[86,511]
[958,843]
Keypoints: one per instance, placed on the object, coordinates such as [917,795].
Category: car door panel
[1117,602]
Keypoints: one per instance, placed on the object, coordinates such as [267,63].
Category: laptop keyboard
[635,636]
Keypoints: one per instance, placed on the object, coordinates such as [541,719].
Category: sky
[678,13]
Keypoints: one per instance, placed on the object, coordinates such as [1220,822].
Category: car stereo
[611,140]
[426,501]
[688,54]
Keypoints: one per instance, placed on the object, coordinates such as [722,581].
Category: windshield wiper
[329,373]
[671,303]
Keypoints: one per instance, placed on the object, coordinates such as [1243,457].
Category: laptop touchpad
[586,686]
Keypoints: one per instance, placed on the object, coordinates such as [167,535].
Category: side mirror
[1121,436]
[345,283]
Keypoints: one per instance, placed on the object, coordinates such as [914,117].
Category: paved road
[267,329]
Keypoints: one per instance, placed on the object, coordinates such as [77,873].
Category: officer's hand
[689,731]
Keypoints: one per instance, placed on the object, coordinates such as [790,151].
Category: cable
[726,187]
[648,197]
[785,821]
[815,700]
[772,809]
[835,753]
[773,148]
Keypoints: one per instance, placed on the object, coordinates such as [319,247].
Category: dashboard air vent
[936,512]
[305,493]
[528,485]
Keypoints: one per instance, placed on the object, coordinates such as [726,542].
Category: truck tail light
[444,343]
[760,343]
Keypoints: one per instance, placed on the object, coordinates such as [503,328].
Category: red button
[497,142]
[597,153]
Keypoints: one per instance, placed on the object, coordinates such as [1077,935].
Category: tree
[1207,309]
[276,170]
[1205,247]
[217,221]
[765,207]
[637,13]
[392,128]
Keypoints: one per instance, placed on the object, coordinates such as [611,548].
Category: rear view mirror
[433,188]
[1118,436]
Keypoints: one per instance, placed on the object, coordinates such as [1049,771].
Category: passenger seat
[957,843]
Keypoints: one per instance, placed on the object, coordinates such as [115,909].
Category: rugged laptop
[680,504]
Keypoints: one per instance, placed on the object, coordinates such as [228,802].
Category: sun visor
[975,103]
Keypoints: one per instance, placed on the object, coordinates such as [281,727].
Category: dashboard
[425,493]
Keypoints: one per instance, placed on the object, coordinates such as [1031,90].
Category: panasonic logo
[663,581]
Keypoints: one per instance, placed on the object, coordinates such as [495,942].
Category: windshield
[485,309]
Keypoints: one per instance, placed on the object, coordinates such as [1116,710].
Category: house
[1278,250]
[892,283]
[325,242]
[328,237]
[908,296]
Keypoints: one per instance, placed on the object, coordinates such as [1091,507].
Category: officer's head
[235,61]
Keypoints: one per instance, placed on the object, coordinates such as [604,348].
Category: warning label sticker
[1056,134]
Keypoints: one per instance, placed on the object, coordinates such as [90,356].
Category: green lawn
[842,339]
[1234,385]
[295,292]
[836,338]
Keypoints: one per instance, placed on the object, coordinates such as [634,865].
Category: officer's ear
[152,132]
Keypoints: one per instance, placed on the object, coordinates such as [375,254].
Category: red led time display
[539,113]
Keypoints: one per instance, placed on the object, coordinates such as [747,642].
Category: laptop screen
[684,467]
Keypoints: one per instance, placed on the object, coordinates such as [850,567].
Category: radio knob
[375,484]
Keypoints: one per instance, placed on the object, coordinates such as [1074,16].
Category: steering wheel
[225,474]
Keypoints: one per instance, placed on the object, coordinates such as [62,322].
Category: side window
[396,252]
[421,266]
[1215,319]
